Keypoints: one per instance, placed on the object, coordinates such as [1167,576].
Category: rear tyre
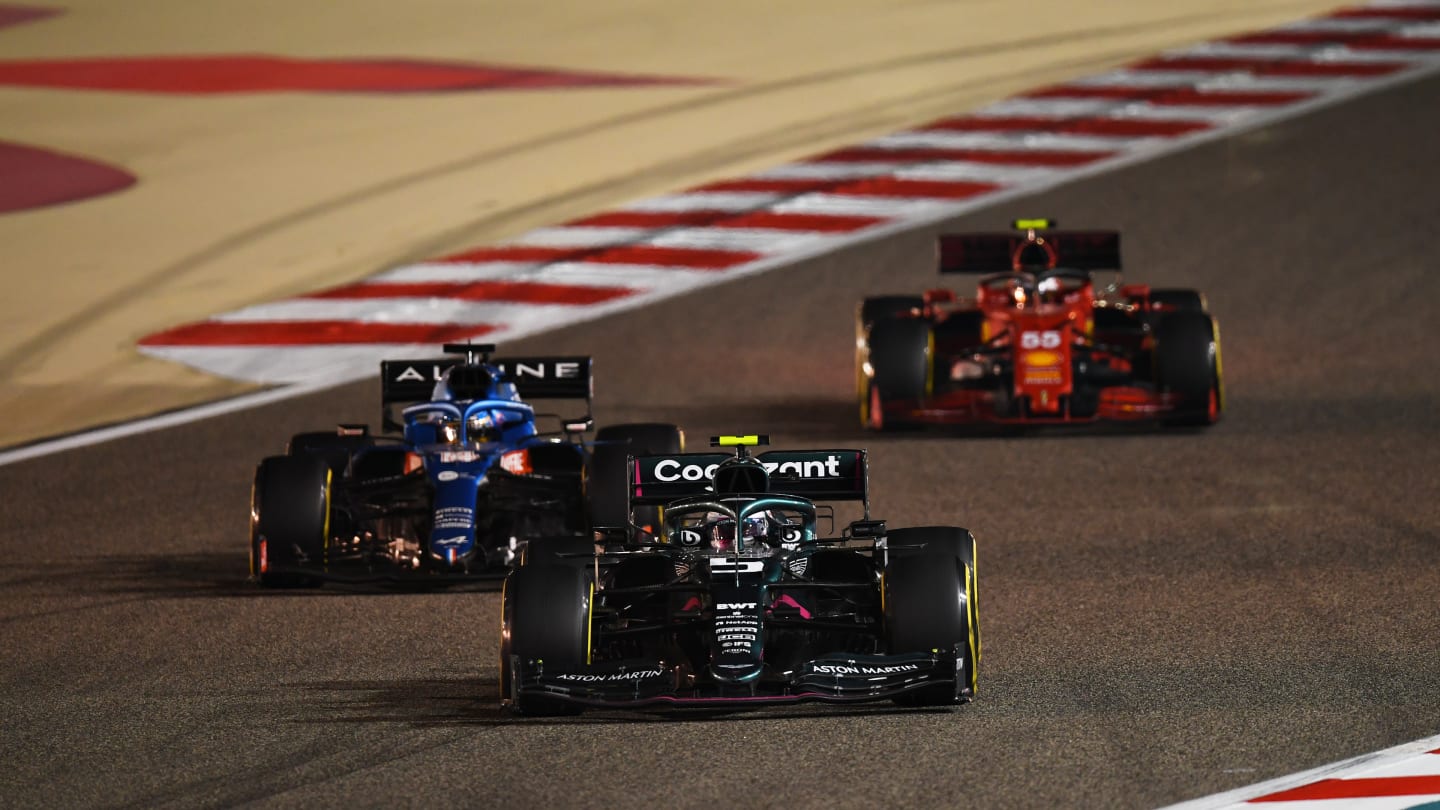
[545,618]
[927,609]
[1187,366]
[867,313]
[899,367]
[606,484]
[289,519]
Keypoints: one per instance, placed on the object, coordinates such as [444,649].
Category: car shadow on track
[471,701]
[203,575]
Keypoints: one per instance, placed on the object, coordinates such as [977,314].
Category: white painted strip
[1247,50]
[640,276]
[1421,765]
[757,240]
[1214,115]
[1326,54]
[1346,25]
[1050,107]
[1047,141]
[852,205]
[1353,767]
[1368,803]
[1383,4]
[577,236]
[293,365]
[1303,53]
[594,274]
[1111,108]
[345,363]
[837,170]
[1002,141]
[1422,30]
[706,201]
[1144,79]
[383,310]
[1233,80]
[966,171]
[456,272]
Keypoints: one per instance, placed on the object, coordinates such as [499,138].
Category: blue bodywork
[457,468]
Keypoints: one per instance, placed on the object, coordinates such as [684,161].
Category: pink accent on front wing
[789,601]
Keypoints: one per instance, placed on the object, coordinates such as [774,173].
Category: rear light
[516,462]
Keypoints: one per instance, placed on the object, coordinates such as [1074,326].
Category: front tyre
[927,609]
[289,519]
[1187,367]
[546,615]
[950,541]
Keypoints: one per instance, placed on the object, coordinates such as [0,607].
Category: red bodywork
[1036,327]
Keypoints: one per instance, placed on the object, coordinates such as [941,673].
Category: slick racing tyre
[867,313]
[289,519]
[1187,366]
[944,540]
[899,352]
[546,619]
[927,609]
[606,485]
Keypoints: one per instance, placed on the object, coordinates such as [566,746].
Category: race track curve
[1166,614]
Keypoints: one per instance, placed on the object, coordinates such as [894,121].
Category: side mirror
[867,528]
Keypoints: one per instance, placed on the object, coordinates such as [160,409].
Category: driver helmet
[464,383]
[721,529]
[1050,291]
[483,427]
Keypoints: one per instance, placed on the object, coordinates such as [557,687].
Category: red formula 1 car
[1038,343]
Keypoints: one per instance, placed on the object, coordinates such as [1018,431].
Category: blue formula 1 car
[740,600]
[457,494]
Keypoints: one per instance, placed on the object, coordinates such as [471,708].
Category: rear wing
[534,377]
[1001,252]
[410,381]
[818,475]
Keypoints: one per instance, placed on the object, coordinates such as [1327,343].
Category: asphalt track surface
[1166,614]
